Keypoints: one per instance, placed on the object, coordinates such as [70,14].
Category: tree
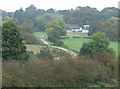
[58,25]
[40,24]
[29,38]
[110,28]
[45,53]
[54,30]
[53,35]
[19,15]
[51,10]
[98,43]
[110,12]
[13,46]
[26,27]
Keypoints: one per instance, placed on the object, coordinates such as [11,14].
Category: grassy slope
[77,43]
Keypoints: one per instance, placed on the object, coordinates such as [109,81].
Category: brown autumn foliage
[59,73]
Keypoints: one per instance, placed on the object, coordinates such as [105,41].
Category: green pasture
[76,43]
[40,35]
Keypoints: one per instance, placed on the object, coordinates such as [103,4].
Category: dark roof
[73,26]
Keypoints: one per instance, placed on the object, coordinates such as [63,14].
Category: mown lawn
[76,43]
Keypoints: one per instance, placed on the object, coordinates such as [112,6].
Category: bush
[45,53]
[77,72]
[59,43]
[30,39]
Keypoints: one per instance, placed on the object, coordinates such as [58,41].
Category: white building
[76,28]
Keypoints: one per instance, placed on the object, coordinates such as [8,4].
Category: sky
[13,5]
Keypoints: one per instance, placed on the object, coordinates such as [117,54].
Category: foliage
[7,18]
[61,73]
[12,42]
[40,24]
[45,53]
[51,10]
[53,35]
[110,28]
[99,43]
[54,30]
[58,25]
[76,43]
[60,43]
[38,18]
[110,12]
[29,38]
[26,27]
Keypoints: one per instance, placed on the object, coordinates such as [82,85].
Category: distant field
[77,34]
[34,48]
[39,35]
[76,43]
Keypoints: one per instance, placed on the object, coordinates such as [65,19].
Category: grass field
[76,43]
[77,34]
[34,48]
[40,35]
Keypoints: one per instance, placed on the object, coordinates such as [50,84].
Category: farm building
[75,28]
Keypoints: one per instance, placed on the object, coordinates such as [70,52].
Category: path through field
[71,53]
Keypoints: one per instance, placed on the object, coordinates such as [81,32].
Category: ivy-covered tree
[13,46]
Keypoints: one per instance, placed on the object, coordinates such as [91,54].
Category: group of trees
[34,19]
[110,27]
[85,15]
[99,43]
[38,18]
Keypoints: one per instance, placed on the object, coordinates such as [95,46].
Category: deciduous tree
[98,43]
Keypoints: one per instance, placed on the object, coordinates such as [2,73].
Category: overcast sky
[12,5]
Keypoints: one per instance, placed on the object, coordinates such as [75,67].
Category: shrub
[59,43]
[81,71]
[30,39]
[45,53]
